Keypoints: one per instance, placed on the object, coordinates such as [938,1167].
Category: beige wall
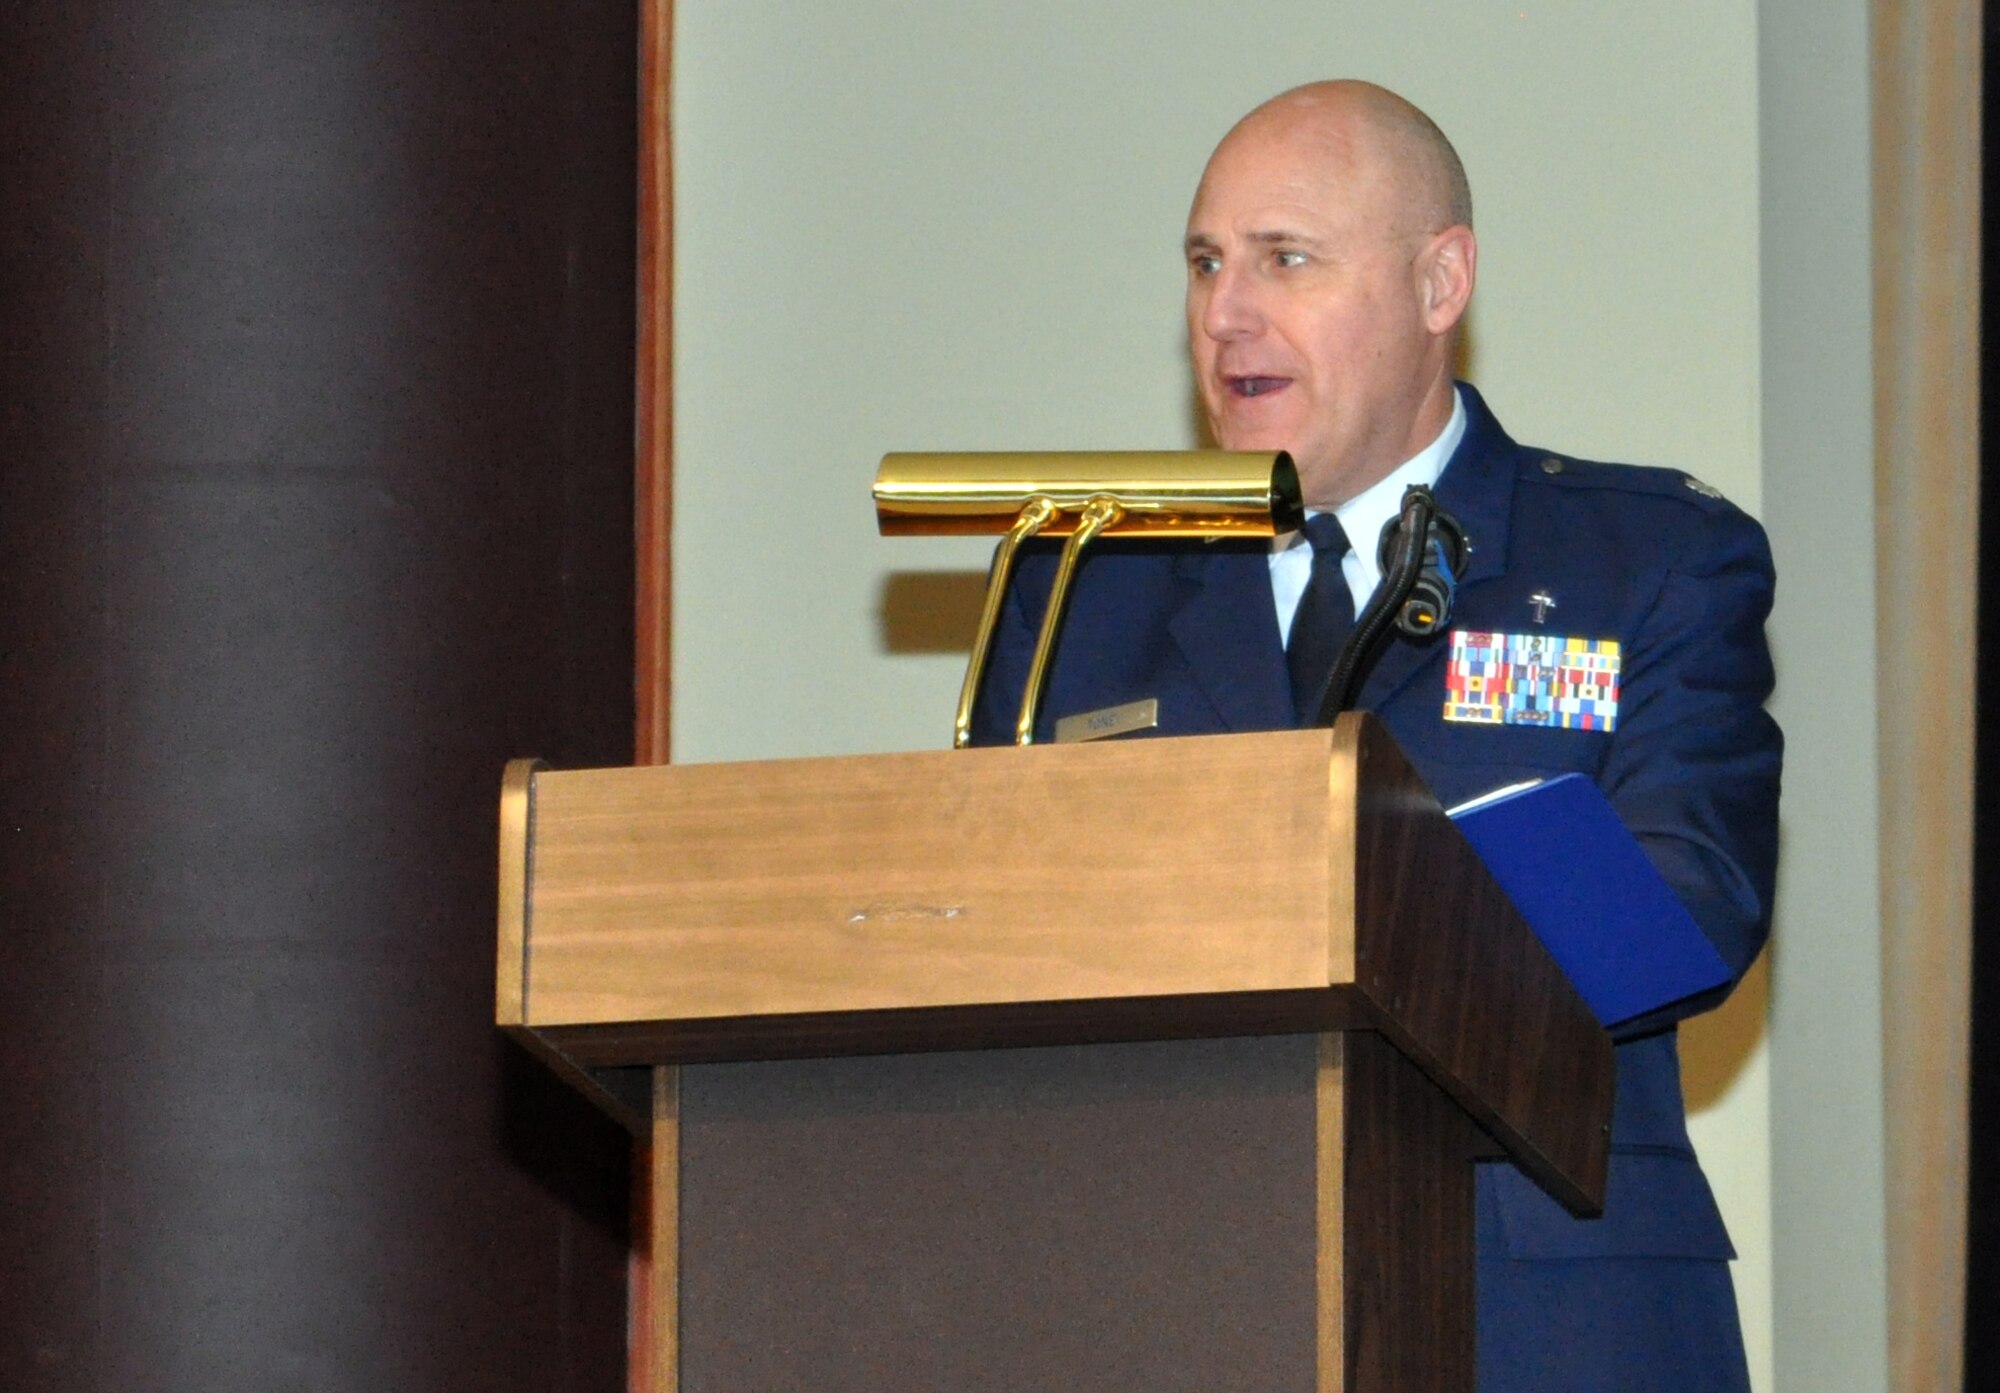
[956,226]
[1827,1171]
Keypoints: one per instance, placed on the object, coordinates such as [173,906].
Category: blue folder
[1581,880]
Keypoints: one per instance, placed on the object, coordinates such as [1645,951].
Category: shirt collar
[1364,516]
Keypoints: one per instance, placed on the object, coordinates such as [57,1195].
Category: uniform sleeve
[1694,766]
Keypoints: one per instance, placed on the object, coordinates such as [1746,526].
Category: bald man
[1331,259]
[1330,262]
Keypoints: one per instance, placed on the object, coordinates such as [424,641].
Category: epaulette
[1569,472]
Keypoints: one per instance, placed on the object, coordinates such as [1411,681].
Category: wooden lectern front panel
[948,879]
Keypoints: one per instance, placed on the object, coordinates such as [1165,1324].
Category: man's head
[1330,260]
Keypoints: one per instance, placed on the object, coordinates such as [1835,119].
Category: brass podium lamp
[1077,495]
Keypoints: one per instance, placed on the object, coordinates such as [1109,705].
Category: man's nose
[1231,310]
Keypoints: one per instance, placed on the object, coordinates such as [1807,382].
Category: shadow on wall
[931,611]
[560,1140]
[1716,1046]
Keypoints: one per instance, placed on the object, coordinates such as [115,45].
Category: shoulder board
[1565,471]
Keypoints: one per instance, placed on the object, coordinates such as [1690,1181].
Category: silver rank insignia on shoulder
[1546,680]
[1705,490]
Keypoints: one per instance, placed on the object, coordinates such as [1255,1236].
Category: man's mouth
[1254,386]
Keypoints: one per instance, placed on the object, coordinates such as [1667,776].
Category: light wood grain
[658,1314]
[1330,1128]
[510,1006]
[939,879]
[1343,772]
[511,968]
[1927,81]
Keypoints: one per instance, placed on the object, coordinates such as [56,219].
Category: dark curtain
[315,506]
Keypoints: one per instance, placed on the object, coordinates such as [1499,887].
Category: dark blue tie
[1325,614]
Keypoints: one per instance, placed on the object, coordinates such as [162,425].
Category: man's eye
[1289,259]
[1205,265]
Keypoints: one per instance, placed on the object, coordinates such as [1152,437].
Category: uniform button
[1552,465]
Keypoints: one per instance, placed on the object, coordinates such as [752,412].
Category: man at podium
[1331,257]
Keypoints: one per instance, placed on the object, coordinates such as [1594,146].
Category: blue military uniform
[1681,581]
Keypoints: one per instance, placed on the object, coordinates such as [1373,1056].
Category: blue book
[1583,883]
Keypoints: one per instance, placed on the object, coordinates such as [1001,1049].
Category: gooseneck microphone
[1423,553]
[1427,608]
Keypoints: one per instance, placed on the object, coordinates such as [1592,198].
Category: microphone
[1422,554]
[1427,607]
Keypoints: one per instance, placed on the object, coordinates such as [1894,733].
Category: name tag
[1112,720]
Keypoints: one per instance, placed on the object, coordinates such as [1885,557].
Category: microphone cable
[1422,552]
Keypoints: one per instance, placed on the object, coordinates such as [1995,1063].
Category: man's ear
[1446,269]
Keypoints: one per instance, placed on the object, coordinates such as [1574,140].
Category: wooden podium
[1277,1009]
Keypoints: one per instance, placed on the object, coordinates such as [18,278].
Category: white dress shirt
[1362,517]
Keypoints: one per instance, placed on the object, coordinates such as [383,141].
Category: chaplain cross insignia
[1543,602]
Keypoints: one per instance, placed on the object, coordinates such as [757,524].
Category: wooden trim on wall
[653,1354]
[656,1323]
[654,426]
[1926,84]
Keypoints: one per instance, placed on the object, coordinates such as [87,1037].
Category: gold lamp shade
[1185,493]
